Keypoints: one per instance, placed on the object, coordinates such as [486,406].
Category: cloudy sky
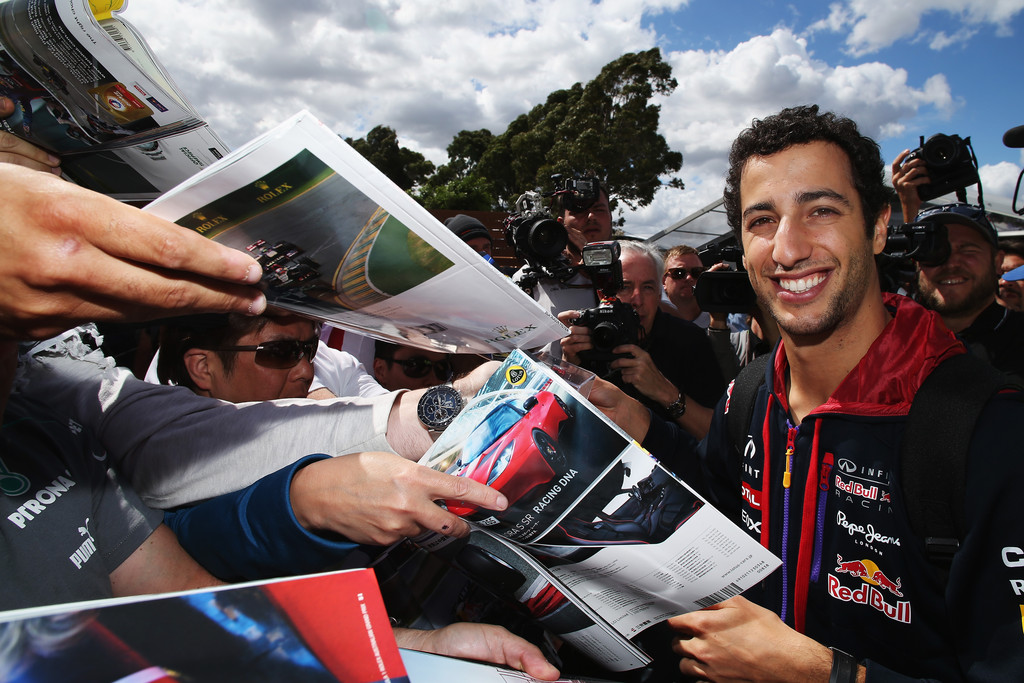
[429,69]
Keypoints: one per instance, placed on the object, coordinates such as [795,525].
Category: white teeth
[952,281]
[803,284]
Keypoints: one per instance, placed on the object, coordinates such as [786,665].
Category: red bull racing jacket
[825,496]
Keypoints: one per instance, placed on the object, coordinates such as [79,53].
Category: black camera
[577,193]
[538,239]
[950,162]
[724,291]
[925,242]
[613,323]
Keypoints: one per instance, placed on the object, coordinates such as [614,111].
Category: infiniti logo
[846,465]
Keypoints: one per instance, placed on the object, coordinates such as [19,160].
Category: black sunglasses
[680,273]
[279,355]
[418,366]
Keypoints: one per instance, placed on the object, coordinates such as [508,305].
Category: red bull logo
[872,593]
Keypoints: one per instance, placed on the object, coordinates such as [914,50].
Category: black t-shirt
[997,336]
[67,521]
[682,352]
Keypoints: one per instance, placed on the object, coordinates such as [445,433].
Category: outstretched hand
[623,410]
[71,255]
[482,642]
[379,498]
[737,640]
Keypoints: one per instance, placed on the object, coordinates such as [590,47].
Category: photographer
[586,216]
[963,288]
[672,369]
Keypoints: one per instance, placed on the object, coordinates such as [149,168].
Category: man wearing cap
[472,232]
[963,289]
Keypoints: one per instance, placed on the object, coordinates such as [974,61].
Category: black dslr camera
[950,162]
[925,242]
[724,291]
[613,323]
[539,239]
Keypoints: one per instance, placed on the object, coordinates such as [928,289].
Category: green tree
[403,166]
[608,127]
[470,193]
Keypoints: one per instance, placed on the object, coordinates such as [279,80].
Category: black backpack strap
[741,400]
[933,454]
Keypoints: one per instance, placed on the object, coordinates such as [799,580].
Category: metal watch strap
[677,408]
[844,667]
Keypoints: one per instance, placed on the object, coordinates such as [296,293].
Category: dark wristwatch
[677,408]
[439,406]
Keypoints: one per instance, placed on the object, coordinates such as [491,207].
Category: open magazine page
[81,96]
[340,242]
[621,532]
[327,628]
[557,608]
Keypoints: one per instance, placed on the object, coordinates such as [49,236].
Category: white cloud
[431,69]
[871,25]
[426,69]
[720,93]
[999,180]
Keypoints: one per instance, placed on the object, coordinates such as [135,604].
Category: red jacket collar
[888,376]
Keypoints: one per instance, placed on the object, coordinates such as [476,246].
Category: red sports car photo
[514,449]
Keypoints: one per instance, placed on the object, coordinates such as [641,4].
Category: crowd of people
[252,449]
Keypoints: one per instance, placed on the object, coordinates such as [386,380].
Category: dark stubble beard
[983,291]
[841,304]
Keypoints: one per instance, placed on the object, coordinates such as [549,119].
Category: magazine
[88,89]
[595,518]
[323,628]
[340,242]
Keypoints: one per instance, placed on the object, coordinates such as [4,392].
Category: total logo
[872,591]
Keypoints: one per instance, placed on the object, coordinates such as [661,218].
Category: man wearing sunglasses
[407,367]
[682,268]
[239,358]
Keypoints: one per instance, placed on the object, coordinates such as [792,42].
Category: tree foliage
[404,166]
[608,127]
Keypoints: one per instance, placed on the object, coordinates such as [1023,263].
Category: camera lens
[605,336]
[940,150]
[546,238]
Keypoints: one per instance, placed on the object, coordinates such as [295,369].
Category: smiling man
[817,476]
[963,289]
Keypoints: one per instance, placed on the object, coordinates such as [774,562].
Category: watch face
[439,406]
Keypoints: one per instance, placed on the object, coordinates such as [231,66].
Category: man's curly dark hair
[802,125]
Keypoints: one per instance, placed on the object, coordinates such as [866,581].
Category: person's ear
[197,363]
[379,367]
[881,233]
